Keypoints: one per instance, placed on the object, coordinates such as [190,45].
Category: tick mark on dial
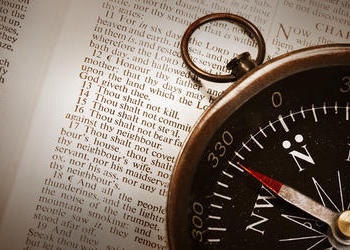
[222,184]
[336,107]
[283,123]
[256,142]
[215,206]
[235,166]
[302,112]
[271,125]
[314,113]
[213,217]
[240,156]
[227,174]
[213,240]
[324,108]
[217,228]
[222,196]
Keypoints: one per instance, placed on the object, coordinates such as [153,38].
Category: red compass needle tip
[270,183]
[295,198]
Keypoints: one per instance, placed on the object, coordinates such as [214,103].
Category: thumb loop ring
[240,21]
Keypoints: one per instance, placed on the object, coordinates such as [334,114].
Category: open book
[95,104]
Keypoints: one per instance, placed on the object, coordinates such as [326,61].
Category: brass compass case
[206,207]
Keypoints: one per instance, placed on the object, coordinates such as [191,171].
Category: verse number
[79,109]
[97,53]
[86,85]
[74,124]
[84,92]
[197,221]
[220,149]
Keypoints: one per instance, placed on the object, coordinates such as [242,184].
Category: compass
[268,165]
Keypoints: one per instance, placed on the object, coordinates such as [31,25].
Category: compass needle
[338,222]
[295,197]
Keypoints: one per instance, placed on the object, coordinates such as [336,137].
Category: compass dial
[293,126]
[304,149]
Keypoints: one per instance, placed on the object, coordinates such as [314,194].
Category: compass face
[295,129]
